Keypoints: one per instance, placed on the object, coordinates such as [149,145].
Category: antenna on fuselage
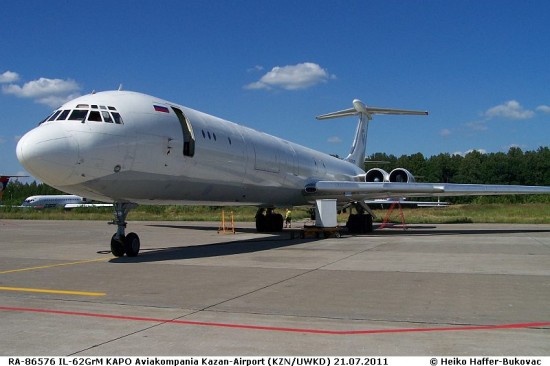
[120,87]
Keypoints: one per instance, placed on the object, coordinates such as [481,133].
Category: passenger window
[54,115]
[117,117]
[95,116]
[63,115]
[106,117]
[78,115]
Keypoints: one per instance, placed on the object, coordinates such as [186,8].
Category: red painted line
[282,329]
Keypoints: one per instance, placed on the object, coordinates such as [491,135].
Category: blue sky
[481,68]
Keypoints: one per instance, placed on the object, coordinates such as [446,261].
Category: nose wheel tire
[129,245]
[117,246]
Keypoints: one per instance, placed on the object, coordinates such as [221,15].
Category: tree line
[16,191]
[513,167]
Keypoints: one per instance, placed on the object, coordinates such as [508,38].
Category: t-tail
[365,113]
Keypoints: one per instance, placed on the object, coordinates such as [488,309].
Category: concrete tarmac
[431,290]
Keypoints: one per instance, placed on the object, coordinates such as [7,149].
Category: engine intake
[400,175]
[376,175]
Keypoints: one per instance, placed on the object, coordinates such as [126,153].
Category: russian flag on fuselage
[160,108]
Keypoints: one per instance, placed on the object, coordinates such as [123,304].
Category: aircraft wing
[404,202]
[81,205]
[360,191]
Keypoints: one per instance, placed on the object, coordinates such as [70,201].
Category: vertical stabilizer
[358,148]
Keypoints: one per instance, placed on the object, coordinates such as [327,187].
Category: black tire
[368,224]
[131,245]
[117,247]
[359,224]
[277,222]
[261,223]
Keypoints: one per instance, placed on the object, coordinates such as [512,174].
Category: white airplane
[66,201]
[130,148]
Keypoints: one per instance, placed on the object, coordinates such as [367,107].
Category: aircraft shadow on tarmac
[283,239]
[424,230]
[212,250]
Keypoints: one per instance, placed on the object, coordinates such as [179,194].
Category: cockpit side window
[78,115]
[54,115]
[117,117]
[45,119]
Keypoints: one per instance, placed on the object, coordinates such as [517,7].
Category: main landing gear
[121,243]
[361,222]
[268,221]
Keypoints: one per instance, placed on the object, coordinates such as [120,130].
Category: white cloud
[9,77]
[481,151]
[445,132]
[52,92]
[477,126]
[42,87]
[292,77]
[543,108]
[508,147]
[334,140]
[55,101]
[255,68]
[511,110]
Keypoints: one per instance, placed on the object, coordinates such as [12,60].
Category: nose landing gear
[120,243]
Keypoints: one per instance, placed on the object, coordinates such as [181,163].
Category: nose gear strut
[121,243]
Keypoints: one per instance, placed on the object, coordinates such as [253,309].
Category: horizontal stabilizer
[359,107]
[344,113]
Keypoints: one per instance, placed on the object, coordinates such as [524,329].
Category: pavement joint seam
[209,307]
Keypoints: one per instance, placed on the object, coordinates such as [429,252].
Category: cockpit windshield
[85,112]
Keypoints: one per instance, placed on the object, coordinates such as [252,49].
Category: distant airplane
[66,201]
[130,148]
[4,180]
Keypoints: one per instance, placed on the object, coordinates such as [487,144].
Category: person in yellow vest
[288,218]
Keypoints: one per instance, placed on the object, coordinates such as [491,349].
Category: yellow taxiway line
[54,265]
[50,291]
[57,292]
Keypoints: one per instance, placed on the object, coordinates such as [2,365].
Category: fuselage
[121,146]
[48,201]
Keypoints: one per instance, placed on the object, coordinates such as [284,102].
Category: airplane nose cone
[49,154]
